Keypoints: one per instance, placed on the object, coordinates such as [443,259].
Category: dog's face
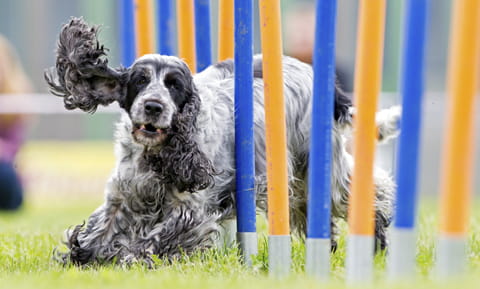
[158,87]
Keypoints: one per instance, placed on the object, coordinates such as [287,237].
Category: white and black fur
[174,180]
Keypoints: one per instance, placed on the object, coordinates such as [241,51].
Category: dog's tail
[387,121]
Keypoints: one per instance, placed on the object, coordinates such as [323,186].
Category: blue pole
[165,27]
[202,34]
[320,160]
[244,129]
[403,240]
[412,91]
[322,117]
[127,34]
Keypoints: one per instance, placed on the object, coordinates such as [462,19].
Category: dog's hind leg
[384,194]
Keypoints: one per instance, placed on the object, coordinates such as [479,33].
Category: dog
[174,181]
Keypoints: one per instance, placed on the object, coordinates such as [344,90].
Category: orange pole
[225,29]
[186,32]
[458,151]
[275,126]
[145,39]
[368,74]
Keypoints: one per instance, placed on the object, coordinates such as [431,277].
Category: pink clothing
[11,139]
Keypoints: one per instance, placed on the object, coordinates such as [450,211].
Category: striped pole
[359,263]
[458,150]
[245,146]
[165,28]
[186,33]
[225,29]
[320,163]
[202,34]
[279,250]
[144,27]
[127,35]
[403,238]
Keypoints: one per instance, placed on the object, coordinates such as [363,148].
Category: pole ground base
[247,243]
[451,256]
[402,254]
[317,262]
[279,255]
[359,263]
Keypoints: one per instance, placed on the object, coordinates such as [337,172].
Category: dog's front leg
[104,238]
[182,232]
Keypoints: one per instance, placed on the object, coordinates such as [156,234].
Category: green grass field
[28,238]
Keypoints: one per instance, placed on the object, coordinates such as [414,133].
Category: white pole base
[248,245]
[359,262]
[279,255]
[317,263]
[228,231]
[451,256]
[402,254]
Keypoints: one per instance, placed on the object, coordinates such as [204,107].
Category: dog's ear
[82,75]
[343,103]
[193,169]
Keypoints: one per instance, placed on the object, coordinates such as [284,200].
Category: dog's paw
[133,259]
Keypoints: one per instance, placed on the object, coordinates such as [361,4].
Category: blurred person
[300,38]
[13,80]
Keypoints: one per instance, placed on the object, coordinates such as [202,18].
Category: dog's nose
[153,108]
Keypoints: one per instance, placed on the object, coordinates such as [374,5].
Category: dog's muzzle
[148,132]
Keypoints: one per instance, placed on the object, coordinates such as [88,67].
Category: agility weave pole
[244,131]
[202,34]
[359,259]
[318,245]
[165,28]
[457,167]
[186,33]
[402,255]
[145,43]
[279,249]
[225,29]
[127,33]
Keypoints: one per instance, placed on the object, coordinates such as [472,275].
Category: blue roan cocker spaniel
[174,180]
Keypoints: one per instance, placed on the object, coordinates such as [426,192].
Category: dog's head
[160,96]
[157,92]
[152,91]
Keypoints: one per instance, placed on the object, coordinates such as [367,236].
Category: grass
[28,237]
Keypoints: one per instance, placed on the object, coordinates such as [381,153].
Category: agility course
[194,31]
[26,240]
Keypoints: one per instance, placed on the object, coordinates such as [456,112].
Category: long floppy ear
[343,103]
[82,75]
[180,161]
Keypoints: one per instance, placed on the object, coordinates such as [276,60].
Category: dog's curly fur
[174,181]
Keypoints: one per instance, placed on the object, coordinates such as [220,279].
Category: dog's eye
[172,82]
[142,80]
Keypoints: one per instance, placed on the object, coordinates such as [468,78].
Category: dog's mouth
[149,129]
[148,133]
